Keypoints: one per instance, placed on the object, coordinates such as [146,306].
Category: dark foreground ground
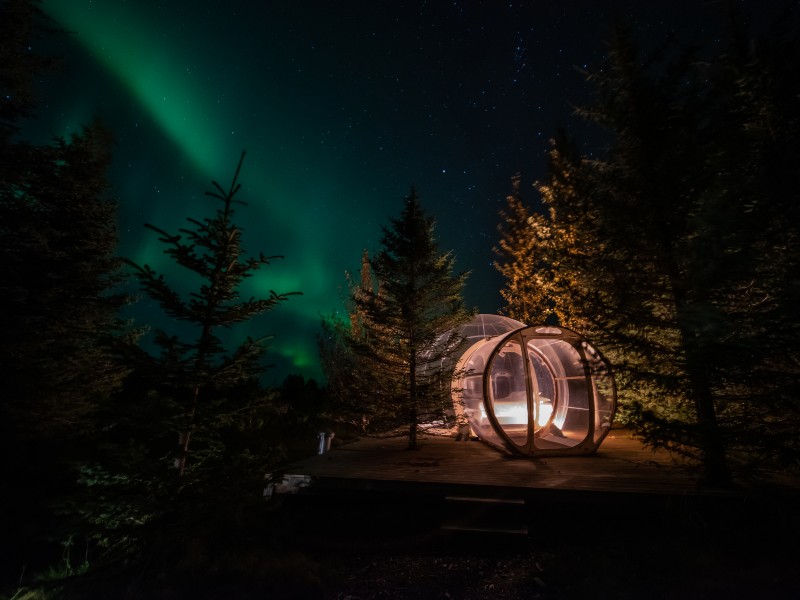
[677,549]
[365,548]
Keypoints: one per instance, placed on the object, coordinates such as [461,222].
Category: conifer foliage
[417,297]
[520,252]
[211,249]
[349,391]
[59,301]
[676,251]
[58,241]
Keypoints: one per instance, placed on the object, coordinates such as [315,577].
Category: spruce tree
[59,299]
[671,253]
[351,393]
[756,88]
[58,240]
[418,298]
[628,219]
[198,370]
[529,281]
[59,270]
[22,25]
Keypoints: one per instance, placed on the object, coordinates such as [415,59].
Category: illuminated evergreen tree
[418,299]
[525,290]
[666,247]
[630,220]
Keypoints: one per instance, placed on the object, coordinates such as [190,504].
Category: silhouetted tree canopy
[59,300]
[58,241]
[197,369]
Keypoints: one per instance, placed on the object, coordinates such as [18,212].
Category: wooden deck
[445,467]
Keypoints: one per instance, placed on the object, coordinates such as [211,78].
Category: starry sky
[341,107]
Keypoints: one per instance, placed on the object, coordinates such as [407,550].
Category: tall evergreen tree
[196,370]
[528,289]
[351,393]
[58,241]
[418,299]
[58,296]
[634,220]
[667,246]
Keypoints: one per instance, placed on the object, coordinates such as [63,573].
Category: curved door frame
[529,447]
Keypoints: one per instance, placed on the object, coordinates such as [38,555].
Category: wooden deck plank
[442,465]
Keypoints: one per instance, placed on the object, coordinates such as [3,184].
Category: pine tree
[351,393]
[59,298]
[667,248]
[418,299]
[630,218]
[755,87]
[198,370]
[339,367]
[530,288]
[58,241]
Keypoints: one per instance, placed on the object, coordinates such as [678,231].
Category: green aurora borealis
[341,107]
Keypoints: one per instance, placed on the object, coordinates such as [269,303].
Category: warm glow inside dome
[533,389]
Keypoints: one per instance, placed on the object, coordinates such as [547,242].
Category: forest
[674,248]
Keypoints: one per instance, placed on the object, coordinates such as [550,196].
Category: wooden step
[506,516]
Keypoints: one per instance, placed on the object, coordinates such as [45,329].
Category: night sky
[341,107]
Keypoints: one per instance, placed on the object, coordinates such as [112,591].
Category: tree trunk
[711,442]
[710,438]
[412,431]
[714,456]
[412,392]
[185,436]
